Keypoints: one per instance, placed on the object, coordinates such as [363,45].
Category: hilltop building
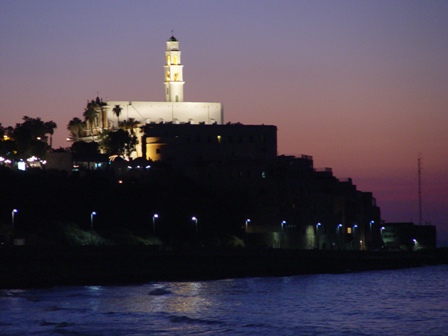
[288,202]
[173,110]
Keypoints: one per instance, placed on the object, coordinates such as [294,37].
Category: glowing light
[32,159]
[154,223]
[21,165]
[246,224]
[91,226]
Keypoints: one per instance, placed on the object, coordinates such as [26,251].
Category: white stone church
[173,109]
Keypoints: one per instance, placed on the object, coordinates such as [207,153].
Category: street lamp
[246,225]
[338,233]
[14,211]
[371,234]
[154,223]
[381,233]
[415,247]
[281,236]
[91,226]
[196,225]
[317,234]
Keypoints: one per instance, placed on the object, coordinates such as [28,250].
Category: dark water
[401,302]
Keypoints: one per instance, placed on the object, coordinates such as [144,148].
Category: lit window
[218,138]
[349,230]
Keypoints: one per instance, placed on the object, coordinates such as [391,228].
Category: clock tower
[174,82]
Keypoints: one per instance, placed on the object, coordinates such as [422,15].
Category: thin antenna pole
[420,189]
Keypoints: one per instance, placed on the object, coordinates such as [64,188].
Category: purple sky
[362,86]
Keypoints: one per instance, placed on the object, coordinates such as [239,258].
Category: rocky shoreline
[32,267]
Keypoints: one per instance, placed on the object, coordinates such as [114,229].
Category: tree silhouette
[75,127]
[85,148]
[31,136]
[129,125]
[120,142]
[117,111]
[50,126]
[91,115]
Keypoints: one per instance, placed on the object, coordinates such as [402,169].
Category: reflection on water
[402,302]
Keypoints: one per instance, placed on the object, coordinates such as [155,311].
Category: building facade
[174,109]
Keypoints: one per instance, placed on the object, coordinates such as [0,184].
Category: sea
[411,301]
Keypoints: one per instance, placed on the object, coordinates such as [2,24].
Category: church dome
[173,39]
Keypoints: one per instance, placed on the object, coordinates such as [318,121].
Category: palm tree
[117,111]
[49,129]
[75,126]
[90,115]
[129,125]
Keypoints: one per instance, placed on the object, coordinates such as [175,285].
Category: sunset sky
[362,86]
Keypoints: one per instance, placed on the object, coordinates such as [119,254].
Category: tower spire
[174,83]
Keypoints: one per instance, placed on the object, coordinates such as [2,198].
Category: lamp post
[415,247]
[91,226]
[382,235]
[338,229]
[13,212]
[195,220]
[154,223]
[371,234]
[281,237]
[246,224]
[317,235]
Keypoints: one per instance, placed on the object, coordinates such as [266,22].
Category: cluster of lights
[139,167]
[21,165]
[5,161]
[35,159]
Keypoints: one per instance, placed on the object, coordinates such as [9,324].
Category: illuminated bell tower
[174,81]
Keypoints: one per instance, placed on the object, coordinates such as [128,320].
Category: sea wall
[25,266]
